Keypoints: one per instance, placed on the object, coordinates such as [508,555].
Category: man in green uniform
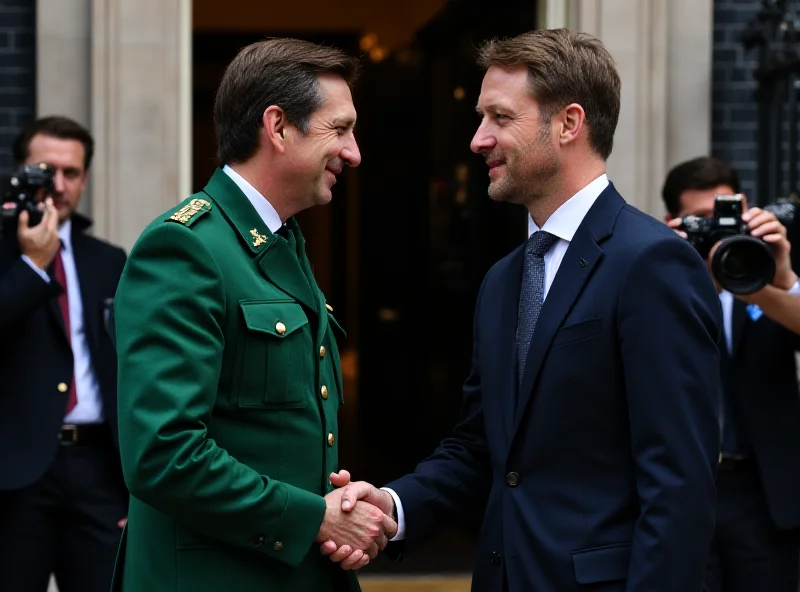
[229,377]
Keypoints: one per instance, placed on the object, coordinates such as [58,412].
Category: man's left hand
[766,226]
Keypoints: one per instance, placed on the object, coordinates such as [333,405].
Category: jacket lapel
[319,298]
[90,293]
[576,267]
[506,347]
[274,257]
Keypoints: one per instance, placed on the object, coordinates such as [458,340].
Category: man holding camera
[62,497]
[755,546]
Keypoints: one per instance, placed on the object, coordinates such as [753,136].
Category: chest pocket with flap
[271,365]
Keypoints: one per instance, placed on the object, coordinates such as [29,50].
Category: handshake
[359,521]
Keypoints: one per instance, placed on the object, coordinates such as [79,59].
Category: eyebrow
[493,108]
[345,121]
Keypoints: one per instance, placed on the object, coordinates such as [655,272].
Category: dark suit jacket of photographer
[762,378]
[35,354]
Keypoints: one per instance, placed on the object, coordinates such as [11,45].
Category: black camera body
[19,194]
[742,264]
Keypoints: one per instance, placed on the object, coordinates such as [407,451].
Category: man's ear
[571,120]
[275,124]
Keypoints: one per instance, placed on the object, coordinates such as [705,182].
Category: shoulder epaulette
[191,212]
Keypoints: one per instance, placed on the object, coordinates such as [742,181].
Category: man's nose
[351,154]
[482,141]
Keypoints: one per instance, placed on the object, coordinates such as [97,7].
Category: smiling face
[315,158]
[517,144]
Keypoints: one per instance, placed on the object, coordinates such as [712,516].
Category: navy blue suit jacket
[35,353]
[601,470]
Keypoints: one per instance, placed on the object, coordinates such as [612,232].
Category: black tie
[531,295]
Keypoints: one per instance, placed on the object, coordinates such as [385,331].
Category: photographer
[756,543]
[63,501]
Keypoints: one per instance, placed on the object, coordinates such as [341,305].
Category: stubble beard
[531,172]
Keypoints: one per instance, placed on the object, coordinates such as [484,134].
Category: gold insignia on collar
[260,238]
[329,307]
[187,212]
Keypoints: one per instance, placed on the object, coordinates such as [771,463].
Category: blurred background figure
[62,499]
[756,542]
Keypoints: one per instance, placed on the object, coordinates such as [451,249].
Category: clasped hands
[358,522]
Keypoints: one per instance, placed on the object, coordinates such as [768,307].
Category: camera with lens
[19,194]
[742,264]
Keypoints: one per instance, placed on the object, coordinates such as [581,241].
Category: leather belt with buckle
[88,433]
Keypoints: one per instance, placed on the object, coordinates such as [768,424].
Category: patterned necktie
[63,304]
[531,295]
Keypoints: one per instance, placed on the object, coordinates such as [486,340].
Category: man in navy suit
[589,427]
[63,501]
[756,544]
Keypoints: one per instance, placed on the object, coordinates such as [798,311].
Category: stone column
[63,64]
[663,52]
[141,112]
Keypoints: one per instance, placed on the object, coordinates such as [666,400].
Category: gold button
[280,328]
[62,387]
[324,392]
[330,439]
[278,546]
[322,351]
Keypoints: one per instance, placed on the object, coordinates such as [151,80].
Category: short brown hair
[701,173]
[280,72]
[565,67]
[55,126]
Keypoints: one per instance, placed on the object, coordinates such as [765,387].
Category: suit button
[62,387]
[512,479]
[278,546]
[280,328]
[331,439]
[496,558]
[322,352]
[324,392]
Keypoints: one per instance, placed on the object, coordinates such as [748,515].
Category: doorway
[401,250]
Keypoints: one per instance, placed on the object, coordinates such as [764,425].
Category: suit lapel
[507,344]
[582,256]
[274,258]
[87,280]
[319,299]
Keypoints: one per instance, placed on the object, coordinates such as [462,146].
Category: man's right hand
[364,528]
[40,243]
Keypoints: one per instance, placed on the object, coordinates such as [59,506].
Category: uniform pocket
[274,349]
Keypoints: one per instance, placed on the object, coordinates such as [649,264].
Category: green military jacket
[229,387]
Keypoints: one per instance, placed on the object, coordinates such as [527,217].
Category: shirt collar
[65,234]
[268,213]
[566,219]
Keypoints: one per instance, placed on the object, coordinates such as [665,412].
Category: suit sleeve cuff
[294,535]
[40,272]
[401,518]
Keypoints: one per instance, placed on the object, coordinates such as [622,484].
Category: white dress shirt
[268,213]
[564,224]
[89,408]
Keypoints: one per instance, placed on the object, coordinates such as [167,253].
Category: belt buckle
[72,430]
